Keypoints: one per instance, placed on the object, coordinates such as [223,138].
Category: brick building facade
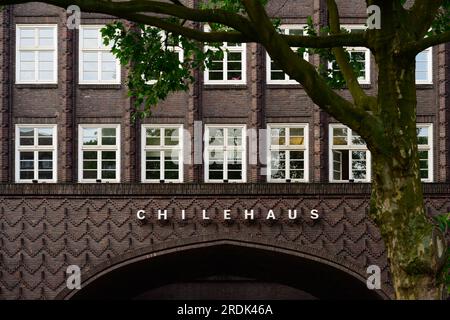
[48,88]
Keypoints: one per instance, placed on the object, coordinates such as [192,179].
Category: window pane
[216,136]
[45,175]
[359,57]
[296,136]
[90,165]
[153,137]
[45,161]
[278,136]
[340,136]
[359,164]
[27,37]
[422,66]
[89,174]
[108,66]
[46,60]
[153,165]
[216,165]
[26,166]
[26,136]
[422,135]
[27,76]
[45,136]
[108,136]
[90,155]
[357,140]
[297,174]
[171,137]
[152,175]
[46,37]
[215,175]
[91,38]
[337,165]
[171,160]
[214,75]
[278,164]
[108,155]
[297,164]
[26,160]
[234,136]
[26,175]
[107,174]
[90,136]
[216,65]
[171,175]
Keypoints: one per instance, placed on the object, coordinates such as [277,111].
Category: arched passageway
[224,270]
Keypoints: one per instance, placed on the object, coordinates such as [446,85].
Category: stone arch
[129,274]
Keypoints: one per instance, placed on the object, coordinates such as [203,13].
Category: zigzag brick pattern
[42,235]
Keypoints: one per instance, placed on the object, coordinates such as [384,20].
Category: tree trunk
[415,246]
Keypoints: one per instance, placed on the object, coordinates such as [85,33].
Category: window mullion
[225,164]
[162,165]
[99,70]
[288,164]
[225,66]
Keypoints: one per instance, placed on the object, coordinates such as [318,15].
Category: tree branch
[317,89]
[121,8]
[194,34]
[140,9]
[418,46]
[358,94]
[422,14]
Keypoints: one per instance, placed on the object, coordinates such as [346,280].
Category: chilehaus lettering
[228,214]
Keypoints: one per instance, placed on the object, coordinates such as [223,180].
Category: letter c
[141,214]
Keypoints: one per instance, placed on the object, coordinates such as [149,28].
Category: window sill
[424,86]
[36,86]
[284,86]
[225,86]
[100,86]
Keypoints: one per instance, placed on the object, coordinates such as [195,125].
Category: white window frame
[367,54]
[99,51]
[36,49]
[36,149]
[243,49]
[161,148]
[99,148]
[349,147]
[285,30]
[428,148]
[286,147]
[225,150]
[429,80]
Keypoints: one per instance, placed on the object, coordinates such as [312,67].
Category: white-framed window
[169,43]
[36,153]
[225,153]
[97,65]
[274,74]
[36,54]
[349,156]
[424,67]
[162,153]
[288,153]
[232,69]
[99,153]
[360,54]
[425,145]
